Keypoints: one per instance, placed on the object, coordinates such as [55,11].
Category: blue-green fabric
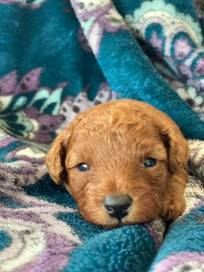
[58,58]
[45,50]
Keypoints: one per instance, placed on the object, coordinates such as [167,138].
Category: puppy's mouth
[131,218]
[115,223]
[123,222]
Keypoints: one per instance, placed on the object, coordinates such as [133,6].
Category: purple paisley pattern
[30,229]
[9,84]
[176,39]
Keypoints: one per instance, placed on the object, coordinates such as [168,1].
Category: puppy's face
[116,161]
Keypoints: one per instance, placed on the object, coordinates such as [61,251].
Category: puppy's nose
[117,205]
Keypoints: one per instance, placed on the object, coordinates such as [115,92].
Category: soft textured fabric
[58,58]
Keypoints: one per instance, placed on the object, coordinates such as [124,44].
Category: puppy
[124,162]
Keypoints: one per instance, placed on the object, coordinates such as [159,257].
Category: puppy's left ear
[55,158]
[177,150]
[177,147]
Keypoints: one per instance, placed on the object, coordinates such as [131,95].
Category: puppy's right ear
[55,158]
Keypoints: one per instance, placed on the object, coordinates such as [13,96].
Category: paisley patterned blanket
[60,57]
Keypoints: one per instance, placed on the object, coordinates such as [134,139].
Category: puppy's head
[117,160]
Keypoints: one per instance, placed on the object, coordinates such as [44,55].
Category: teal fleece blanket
[58,58]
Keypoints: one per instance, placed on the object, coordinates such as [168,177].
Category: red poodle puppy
[124,162]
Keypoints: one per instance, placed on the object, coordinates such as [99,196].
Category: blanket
[60,57]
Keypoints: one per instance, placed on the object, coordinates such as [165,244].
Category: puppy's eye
[149,162]
[82,167]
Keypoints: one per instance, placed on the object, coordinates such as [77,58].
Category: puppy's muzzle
[117,205]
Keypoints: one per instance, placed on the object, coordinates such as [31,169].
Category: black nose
[117,205]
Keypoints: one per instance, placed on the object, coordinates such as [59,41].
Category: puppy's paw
[173,207]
